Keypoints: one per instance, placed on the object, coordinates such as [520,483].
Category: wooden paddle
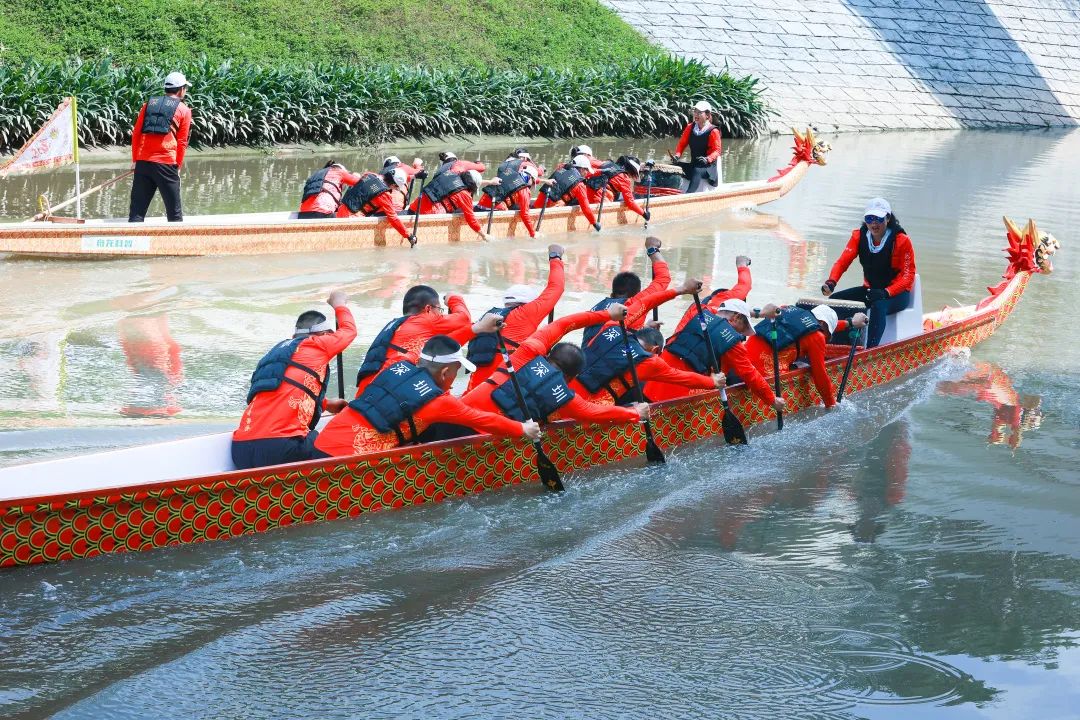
[734,432]
[491,210]
[776,373]
[419,202]
[652,450]
[600,211]
[856,337]
[543,207]
[549,474]
[101,186]
[648,196]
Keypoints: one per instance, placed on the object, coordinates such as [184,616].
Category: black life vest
[699,147]
[566,179]
[606,359]
[380,347]
[318,183]
[606,172]
[394,396]
[689,343]
[270,373]
[591,330]
[358,197]
[443,185]
[484,347]
[792,324]
[877,267]
[160,110]
[510,181]
[543,385]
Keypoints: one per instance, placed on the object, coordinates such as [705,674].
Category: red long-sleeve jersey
[902,262]
[654,294]
[287,411]
[653,368]
[812,346]
[461,200]
[579,193]
[738,291]
[166,149]
[525,319]
[714,142]
[519,200]
[625,186]
[385,204]
[539,343]
[418,329]
[328,200]
[734,359]
[350,433]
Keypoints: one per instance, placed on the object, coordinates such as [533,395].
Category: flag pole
[75,142]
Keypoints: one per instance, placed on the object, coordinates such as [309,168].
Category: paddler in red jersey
[452,188]
[626,290]
[288,390]
[606,376]
[159,142]
[517,177]
[800,334]
[617,177]
[703,139]
[566,186]
[410,395]
[373,196]
[422,318]
[522,312]
[324,190]
[712,301]
[728,326]
[888,262]
[544,368]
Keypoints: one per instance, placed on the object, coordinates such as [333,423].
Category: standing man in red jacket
[703,139]
[158,143]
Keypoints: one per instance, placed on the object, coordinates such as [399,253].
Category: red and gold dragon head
[1029,251]
[808,149]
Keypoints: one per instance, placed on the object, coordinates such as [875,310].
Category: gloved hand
[828,287]
[422,175]
[647,215]
[874,295]
[701,161]
[597,226]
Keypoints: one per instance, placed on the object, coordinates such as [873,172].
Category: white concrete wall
[861,64]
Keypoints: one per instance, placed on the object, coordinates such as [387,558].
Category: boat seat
[909,321]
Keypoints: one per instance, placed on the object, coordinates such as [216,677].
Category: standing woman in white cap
[704,140]
[158,143]
[888,262]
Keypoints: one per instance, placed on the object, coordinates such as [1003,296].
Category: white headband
[326,324]
[454,357]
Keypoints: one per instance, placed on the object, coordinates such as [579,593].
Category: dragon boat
[281,232]
[186,491]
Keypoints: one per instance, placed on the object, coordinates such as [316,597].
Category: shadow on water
[982,68]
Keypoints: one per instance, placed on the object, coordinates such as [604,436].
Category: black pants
[150,177]
[701,178]
[313,215]
[248,454]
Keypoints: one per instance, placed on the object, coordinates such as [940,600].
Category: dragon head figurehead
[1029,249]
[809,149]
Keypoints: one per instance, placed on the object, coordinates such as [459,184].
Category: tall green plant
[248,104]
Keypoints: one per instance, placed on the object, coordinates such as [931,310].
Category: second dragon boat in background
[281,232]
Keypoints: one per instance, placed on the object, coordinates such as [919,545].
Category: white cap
[531,171]
[326,324]
[878,207]
[176,80]
[827,315]
[580,161]
[444,156]
[456,356]
[703,106]
[739,307]
[634,164]
[584,150]
[520,294]
[392,160]
[400,178]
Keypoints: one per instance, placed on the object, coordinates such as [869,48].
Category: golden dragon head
[1029,248]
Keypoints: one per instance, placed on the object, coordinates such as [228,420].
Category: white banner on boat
[112,243]
[55,144]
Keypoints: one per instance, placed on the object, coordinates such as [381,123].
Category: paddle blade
[549,474]
[652,450]
[734,432]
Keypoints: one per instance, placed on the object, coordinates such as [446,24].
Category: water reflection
[1013,413]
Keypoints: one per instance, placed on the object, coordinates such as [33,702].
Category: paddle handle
[416,218]
[543,208]
[600,210]
[648,197]
[776,375]
[705,331]
[847,367]
[80,196]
